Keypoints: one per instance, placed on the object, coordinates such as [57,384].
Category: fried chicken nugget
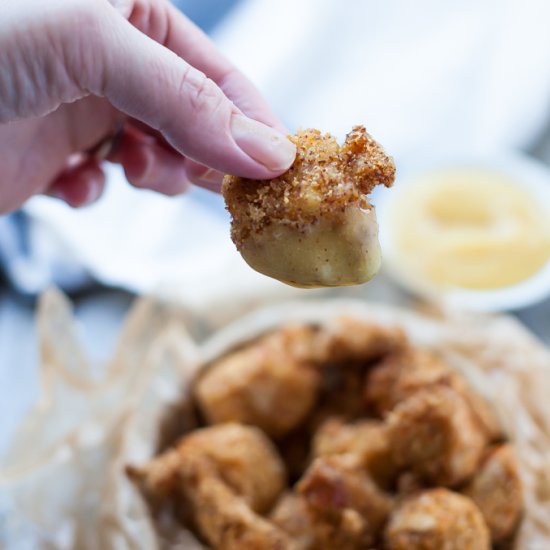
[347,507]
[437,519]
[271,383]
[292,515]
[313,226]
[402,373]
[434,433]
[344,349]
[222,517]
[242,456]
[238,452]
[368,440]
[349,339]
[496,489]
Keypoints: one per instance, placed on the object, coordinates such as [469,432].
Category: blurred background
[427,79]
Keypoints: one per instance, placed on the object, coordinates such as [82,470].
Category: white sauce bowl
[530,174]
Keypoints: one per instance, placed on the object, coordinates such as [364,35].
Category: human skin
[73,71]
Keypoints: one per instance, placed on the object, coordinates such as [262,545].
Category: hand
[72,71]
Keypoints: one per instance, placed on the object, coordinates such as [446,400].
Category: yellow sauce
[470,228]
[336,252]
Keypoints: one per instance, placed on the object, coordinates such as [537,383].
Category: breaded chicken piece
[348,339]
[399,375]
[271,383]
[234,452]
[436,519]
[347,507]
[434,434]
[292,515]
[402,373]
[496,489]
[313,225]
[368,440]
[344,350]
[222,517]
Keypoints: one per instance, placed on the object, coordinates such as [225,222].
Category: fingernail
[79,195]
[210,177]
[95,188]
[141,170]
[262,143]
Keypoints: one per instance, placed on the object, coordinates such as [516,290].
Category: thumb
[149,82]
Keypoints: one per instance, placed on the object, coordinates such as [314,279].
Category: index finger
[165,24]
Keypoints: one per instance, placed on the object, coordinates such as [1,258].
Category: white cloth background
[424,77]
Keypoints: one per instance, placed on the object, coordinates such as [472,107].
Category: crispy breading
[496,489]
[347,506]
[344,350]
[222,517]
[350,339]
[434,433]
[401,373]
[324,179]
[158,479]
[436,519]
[270,383]
[368,440]
[292,515]
[234,451]
[313,225]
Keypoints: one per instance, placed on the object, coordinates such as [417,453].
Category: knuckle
[83,51]
[201,93]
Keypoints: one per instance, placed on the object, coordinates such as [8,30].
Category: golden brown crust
[292,515]
[437,520]
[434,433]
[366,439]
[347,507]
[214,479]
[270,384]
[347,339]
[496,489]
[407,370]
[233,452]
[223,517]
[324,180]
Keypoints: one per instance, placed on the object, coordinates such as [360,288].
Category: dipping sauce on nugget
[469,228]
[313,226]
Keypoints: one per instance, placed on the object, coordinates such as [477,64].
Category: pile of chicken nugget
[340,436]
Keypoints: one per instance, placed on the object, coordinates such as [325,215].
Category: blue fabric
[30,267]
[206,13]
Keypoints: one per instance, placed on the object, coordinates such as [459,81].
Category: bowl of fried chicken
[349,426]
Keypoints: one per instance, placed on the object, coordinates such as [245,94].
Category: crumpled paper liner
[62,485]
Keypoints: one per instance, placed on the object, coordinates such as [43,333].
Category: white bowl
[532,175]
